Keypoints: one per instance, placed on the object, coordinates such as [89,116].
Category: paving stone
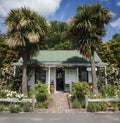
[59,105]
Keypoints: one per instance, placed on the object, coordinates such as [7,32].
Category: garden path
[59,104]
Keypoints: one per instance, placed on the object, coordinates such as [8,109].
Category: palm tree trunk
[94,77]
[24,76]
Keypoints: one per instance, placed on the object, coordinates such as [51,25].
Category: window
[83,74]
[40,75]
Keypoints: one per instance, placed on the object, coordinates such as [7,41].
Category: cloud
[104,0]
[62,14]
[44,7]
[118,3]
[116,24]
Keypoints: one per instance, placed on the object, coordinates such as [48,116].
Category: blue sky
[62,10]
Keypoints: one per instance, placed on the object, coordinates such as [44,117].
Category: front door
[60,78]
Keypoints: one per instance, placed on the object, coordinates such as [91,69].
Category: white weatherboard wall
[31,78]
[70,76]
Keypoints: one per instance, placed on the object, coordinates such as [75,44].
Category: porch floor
[59,104]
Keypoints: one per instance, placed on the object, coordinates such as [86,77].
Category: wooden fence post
[86,102]
[33,102]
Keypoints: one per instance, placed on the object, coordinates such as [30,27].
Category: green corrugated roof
[62,57]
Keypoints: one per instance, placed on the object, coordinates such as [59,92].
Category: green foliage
[27,108]
[63,46]
[93,107]
[10,58]
[114,45]
[107,55]
[42,104]
[14,108]
[110,91]
[1,108]
[7,56]
[56,38]
[3,49]
[10,81]
[26,30]
[79,90]
[75,103]
[2,94]
[86,30]
[103,106]
[5,93]
[82,104]
[40,91]
[87,27]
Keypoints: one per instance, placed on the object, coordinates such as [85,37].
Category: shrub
[42,104]
[110,91]
[14,108]
[93,107]
[103,106]
[40,91]
[27,108]
[1,108]
[82,104]
[79,90]
[5,93]
[2,93]
[75,104]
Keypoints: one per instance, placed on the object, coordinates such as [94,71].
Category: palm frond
[88,27]
[25,28]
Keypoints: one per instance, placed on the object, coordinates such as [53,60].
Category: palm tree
[25,30]
[86,31]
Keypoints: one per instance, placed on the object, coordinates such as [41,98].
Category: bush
[42,104]
[1,108]
[110,91]
[14,108]
[82,104]
[75,104]
[103,106]
[27,108]
[79,90]
[93,107]
[40,91]
[5,93]
[2,93]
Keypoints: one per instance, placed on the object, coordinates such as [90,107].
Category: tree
[10,58]
[7,56]
[3,49]
[107,55]
[114,45]
[86,30]
[63,46]
[25,32]
[56,38]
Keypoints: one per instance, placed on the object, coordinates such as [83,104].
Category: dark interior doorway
[60,79]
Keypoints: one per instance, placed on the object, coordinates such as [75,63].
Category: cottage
[61,68]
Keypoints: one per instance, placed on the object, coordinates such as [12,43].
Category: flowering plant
[20,96]
[4,93]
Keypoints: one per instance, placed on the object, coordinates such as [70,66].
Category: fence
[87,100]
[16,100]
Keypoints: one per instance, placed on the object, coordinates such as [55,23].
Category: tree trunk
[24,76]
[94,77]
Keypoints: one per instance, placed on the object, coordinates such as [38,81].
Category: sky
[61,10]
